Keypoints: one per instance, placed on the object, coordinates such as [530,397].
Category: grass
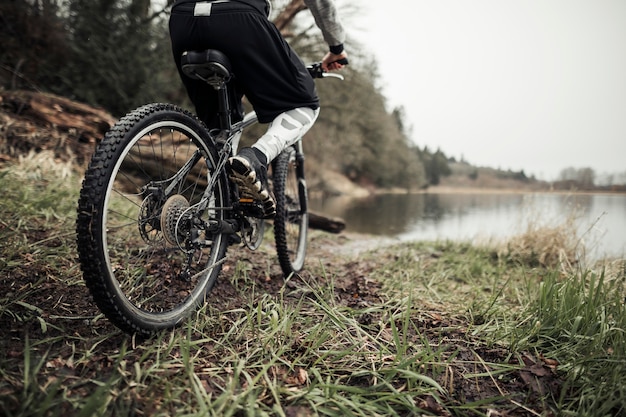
[428,328]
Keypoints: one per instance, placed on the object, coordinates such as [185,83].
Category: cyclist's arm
[327,19]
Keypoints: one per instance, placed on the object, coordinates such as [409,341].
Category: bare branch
[286,16]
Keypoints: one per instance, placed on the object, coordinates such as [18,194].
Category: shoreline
[480,190]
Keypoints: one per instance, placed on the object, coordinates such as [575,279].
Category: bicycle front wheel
[144,244]
[292,221]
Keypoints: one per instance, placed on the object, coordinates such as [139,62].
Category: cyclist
[268,72]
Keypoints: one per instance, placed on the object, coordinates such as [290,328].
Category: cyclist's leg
[270,73]
[285,130]
[249,168]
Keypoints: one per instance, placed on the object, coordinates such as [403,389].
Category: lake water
[600,219]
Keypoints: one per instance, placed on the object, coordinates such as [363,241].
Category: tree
[33,43]
[354,133]
[287,14]
[118,54]
[435,164]
[582,177]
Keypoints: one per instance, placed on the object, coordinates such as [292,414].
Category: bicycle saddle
[205,64]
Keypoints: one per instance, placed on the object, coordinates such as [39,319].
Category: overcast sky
[538,85]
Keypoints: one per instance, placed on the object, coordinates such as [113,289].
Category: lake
[600,219]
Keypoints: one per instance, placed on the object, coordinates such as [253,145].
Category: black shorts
[267,70]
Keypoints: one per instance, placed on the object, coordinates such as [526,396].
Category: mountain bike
[157,211]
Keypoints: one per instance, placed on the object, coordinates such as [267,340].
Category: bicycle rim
[291,221]
[146,256]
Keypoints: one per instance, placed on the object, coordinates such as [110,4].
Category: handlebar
[316,70]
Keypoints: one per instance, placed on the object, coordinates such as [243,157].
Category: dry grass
[547,246]
[41,165]
[561,242]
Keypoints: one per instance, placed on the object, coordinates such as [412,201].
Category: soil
[64,309]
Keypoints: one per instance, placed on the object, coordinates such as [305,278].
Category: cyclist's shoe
[250,175]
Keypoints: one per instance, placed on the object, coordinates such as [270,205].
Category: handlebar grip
[316,70]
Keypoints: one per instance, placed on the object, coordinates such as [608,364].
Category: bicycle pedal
[250,207]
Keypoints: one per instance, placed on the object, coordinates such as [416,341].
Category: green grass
[430,328]
[581,322]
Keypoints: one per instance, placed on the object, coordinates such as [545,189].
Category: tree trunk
[327,224]
[286,16]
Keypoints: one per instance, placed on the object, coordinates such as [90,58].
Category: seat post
[214,68]
[223,104]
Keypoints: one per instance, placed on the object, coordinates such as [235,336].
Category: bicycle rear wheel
[145,250]
[292,221]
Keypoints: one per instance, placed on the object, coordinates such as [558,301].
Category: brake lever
[333,75]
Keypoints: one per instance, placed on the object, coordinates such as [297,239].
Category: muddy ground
[66,307]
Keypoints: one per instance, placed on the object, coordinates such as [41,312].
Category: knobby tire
[291,220]
[135,235]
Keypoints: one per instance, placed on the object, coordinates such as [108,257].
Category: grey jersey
[326,18]
[325,14]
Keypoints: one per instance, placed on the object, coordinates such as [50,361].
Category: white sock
[285,130]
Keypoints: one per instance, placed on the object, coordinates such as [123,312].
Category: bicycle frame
[153,229]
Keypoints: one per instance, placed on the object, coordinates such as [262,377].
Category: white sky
[538,85]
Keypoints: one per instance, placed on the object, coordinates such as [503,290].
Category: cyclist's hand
[329,62]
